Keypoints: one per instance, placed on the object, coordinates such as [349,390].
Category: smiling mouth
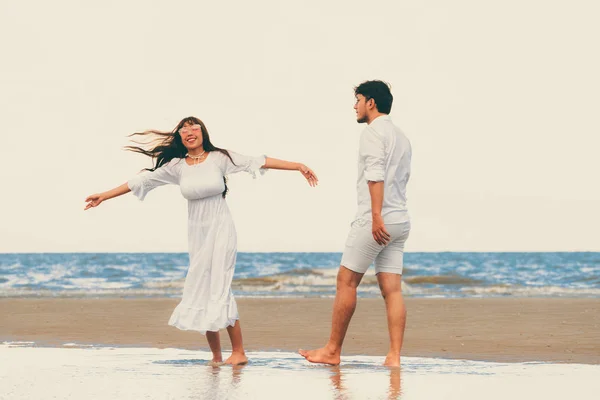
[190,140]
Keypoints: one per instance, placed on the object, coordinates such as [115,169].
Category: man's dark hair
[379,91]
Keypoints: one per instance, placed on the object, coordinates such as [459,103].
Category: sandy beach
[506,330]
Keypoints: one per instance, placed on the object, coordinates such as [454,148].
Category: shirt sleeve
[372,150]
[241,163]
[144,182]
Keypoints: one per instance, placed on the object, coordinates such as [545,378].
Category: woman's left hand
[309,175]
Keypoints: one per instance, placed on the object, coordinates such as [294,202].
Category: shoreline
[560,330]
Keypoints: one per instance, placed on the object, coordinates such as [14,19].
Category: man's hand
[380,234]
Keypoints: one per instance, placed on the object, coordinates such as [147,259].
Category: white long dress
[207,303]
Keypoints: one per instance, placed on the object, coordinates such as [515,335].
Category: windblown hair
[162,146]
[378,91]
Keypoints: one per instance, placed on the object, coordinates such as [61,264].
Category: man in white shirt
[381,226]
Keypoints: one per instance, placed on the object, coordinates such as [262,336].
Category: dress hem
[229,323]
[212,318]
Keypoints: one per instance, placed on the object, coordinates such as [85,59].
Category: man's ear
[371,103]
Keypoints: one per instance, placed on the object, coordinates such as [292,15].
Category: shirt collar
[384,117]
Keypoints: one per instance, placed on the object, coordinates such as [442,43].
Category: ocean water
[301,274]
[69,372]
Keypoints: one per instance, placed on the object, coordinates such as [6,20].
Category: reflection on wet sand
[148,373]
[236,375]
[336,381]
[395,389]
[218,382]
[341,393]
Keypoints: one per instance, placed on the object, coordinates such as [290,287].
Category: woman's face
[191,135]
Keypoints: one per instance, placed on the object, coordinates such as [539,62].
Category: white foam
[525,291]
[165,284]
[135,373]
[18,344]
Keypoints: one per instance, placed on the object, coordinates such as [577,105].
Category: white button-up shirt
[384,155]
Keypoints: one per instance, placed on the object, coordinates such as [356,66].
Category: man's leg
[391,289]
[343,309]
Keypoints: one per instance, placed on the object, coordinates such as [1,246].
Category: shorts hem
[390,270]
[354,268]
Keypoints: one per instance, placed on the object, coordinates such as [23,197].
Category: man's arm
[380,234]
[372,149]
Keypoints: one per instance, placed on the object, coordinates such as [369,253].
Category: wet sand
[504,330]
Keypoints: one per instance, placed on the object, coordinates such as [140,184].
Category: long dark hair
[162,146]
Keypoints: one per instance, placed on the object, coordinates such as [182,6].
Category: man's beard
[361,120]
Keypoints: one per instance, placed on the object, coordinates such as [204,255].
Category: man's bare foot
[237,359]
[321,356]
[392,360]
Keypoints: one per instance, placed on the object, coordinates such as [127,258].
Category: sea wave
[442,280]
[301,275]
[241,291]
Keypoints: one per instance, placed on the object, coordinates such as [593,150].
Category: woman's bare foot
[237,358]
[216,361]
[321,356]
[392,360]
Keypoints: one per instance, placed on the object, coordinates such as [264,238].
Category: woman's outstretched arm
[273,163]
[94,200]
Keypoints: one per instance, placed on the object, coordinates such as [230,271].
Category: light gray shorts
[362,250]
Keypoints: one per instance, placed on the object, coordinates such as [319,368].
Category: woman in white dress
[187,158]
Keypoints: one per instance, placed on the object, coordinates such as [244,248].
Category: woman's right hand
[308,173]
[94,200]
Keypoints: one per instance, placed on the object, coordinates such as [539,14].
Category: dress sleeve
[242,163]
[372,150]
[144,182]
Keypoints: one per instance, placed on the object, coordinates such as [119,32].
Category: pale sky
[499,99]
